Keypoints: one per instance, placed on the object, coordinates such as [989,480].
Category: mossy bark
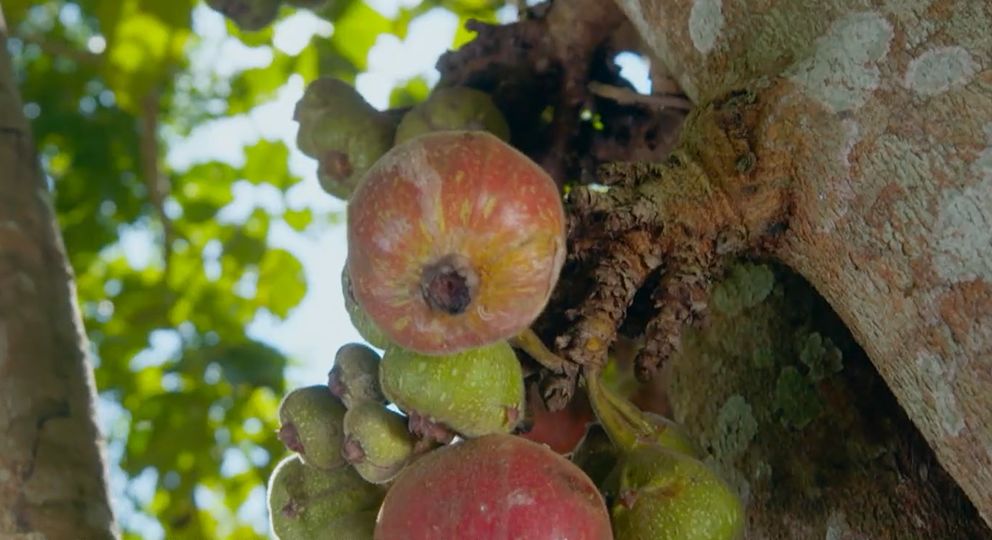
[875,119]
[52,472]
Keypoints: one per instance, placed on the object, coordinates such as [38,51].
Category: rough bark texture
[52,472]
[876,118]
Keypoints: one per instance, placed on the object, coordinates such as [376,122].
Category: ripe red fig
[561,430]
[474,392]
[455,108]
[355,375]
[342,132]
[666,495]
[359,319]
[306,503]
[311,419]
[247,14]
[498,487]
[455,240]
[376,442]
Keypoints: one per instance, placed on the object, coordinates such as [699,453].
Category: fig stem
[623,421]
[530,343]
[449,284]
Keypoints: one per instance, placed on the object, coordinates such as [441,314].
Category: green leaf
[268,162]
[281,282]
[356,31]
[299,220]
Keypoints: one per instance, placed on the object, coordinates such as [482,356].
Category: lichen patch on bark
[705,24]
[843,71]
[938,70]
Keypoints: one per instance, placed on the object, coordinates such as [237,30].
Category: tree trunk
[52,472]
[874,118]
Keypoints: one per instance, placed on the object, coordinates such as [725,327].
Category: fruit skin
[454,108]
[355,375]
[342,132]
[474,393]
[498,487]
[306,503]
[377,442]
[561,430]
[311,419]
[454,204]
[665,495]
[249,15]
[359,319]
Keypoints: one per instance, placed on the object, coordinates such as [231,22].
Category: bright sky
[315,329]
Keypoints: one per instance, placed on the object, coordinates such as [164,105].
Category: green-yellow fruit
[474,392]
[355,375]
[359,319]
[377,442]
[665,495]
[306,503]
[672,436]
[456,108]
[342,132]
[596,455]
[247,14]
[311,420]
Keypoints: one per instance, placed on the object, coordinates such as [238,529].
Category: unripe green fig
[355,375]
[474,392]
[311,420]
[249,15]
[596,455]
[455,108]
[306,503]
[342,132]
[671,435]
[376,442]
[359,319]
[665,495]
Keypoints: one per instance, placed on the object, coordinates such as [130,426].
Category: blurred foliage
[168,327]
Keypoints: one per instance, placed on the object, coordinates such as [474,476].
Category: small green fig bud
[456,108]
[249,15]
[376,442]
[306,503]
[342,132]
[359,319]
[355,375]
[474,392]
[666,495]
[311,420]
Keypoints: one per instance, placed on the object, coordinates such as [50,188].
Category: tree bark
[52,471]
[875,118]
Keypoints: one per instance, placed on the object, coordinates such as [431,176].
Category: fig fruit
[455,240]
[311,419]
[474,393]
[248,15]
[342,132]
[498,487]
[454,108]
[666,495]
[376,442]
[355,375]
[596,455]
[306,503]
[359,319]
[561,430]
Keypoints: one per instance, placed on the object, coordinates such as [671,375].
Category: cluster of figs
[455,243]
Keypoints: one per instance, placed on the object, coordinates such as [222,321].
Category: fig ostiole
[455,241]
[311,425]
[355,376]
[453,108]
[306,503]
[376,442]
[473,393]
[359,319]
[497,487]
